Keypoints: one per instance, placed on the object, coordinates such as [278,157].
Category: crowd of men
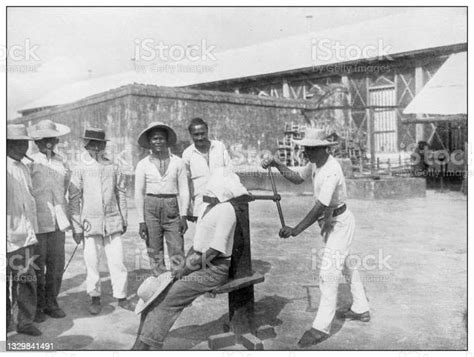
[45,198]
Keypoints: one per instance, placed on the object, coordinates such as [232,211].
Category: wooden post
[242,301]
[371,137]
[361,164]
[389,167]
[378,163]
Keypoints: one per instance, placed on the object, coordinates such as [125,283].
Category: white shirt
[149,180]
[216,229]
[199,170]
[329,184]
[21,208]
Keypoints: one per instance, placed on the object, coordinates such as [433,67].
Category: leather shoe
[351,315]
[312,337]
[40,316]
[94,307]
[125,304]
[55,313]
[29,330]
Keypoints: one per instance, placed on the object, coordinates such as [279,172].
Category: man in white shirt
[21,237]
[337,224]
[207,263]
[50,176]
[161,196]
[201,159]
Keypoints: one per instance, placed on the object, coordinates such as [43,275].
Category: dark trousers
[162,220]
[158,318]
[21,279]
[50,261]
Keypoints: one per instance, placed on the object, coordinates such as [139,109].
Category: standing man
[21,238]
[99,217]
[337,224]
[160,179]
[50,177]
[201,159]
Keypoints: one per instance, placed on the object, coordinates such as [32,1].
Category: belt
[162,195]
[340,210]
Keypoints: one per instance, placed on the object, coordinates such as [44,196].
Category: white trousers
[114,252]
[332,263]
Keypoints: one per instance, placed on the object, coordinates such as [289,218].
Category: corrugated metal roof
[446,92]
[417,29]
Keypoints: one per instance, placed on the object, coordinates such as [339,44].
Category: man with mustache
[202,158]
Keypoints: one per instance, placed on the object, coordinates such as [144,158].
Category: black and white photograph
[236,178]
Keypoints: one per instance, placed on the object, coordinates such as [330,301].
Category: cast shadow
[267,310]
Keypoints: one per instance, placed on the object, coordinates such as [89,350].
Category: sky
[58,46]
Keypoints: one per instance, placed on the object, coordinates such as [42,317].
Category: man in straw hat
[337,224]
[161,196]
[205,268]
[50,177]
[99,187]
[21,237]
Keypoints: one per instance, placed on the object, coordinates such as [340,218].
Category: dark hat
[17,132]
[94,134]
[143,137]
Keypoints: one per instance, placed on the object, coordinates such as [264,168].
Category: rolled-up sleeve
[183,189]
[140,191]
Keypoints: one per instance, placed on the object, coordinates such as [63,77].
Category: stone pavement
[415,250]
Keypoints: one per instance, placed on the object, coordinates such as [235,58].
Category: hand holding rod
[280,212]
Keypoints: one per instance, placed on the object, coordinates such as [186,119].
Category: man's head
[158,140]
[17,141]
[17,149]
[46,144]
[95,142]
[96,148]
[315,153]
[199,132]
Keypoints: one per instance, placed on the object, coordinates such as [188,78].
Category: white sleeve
[327,189]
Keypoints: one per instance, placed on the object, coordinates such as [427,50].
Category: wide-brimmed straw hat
[143,137]
[17,132]
[94,134]
[47,129]
[150,289]
[314,137]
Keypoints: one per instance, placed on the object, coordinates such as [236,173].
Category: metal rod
[280,212]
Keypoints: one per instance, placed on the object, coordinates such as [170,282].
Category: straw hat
[17,132]
[150,289]
[47,129]
[94,134]
[314,137]
[143,137]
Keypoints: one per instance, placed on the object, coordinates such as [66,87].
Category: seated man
[206,265]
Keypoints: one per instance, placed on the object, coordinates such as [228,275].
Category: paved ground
[418,298]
